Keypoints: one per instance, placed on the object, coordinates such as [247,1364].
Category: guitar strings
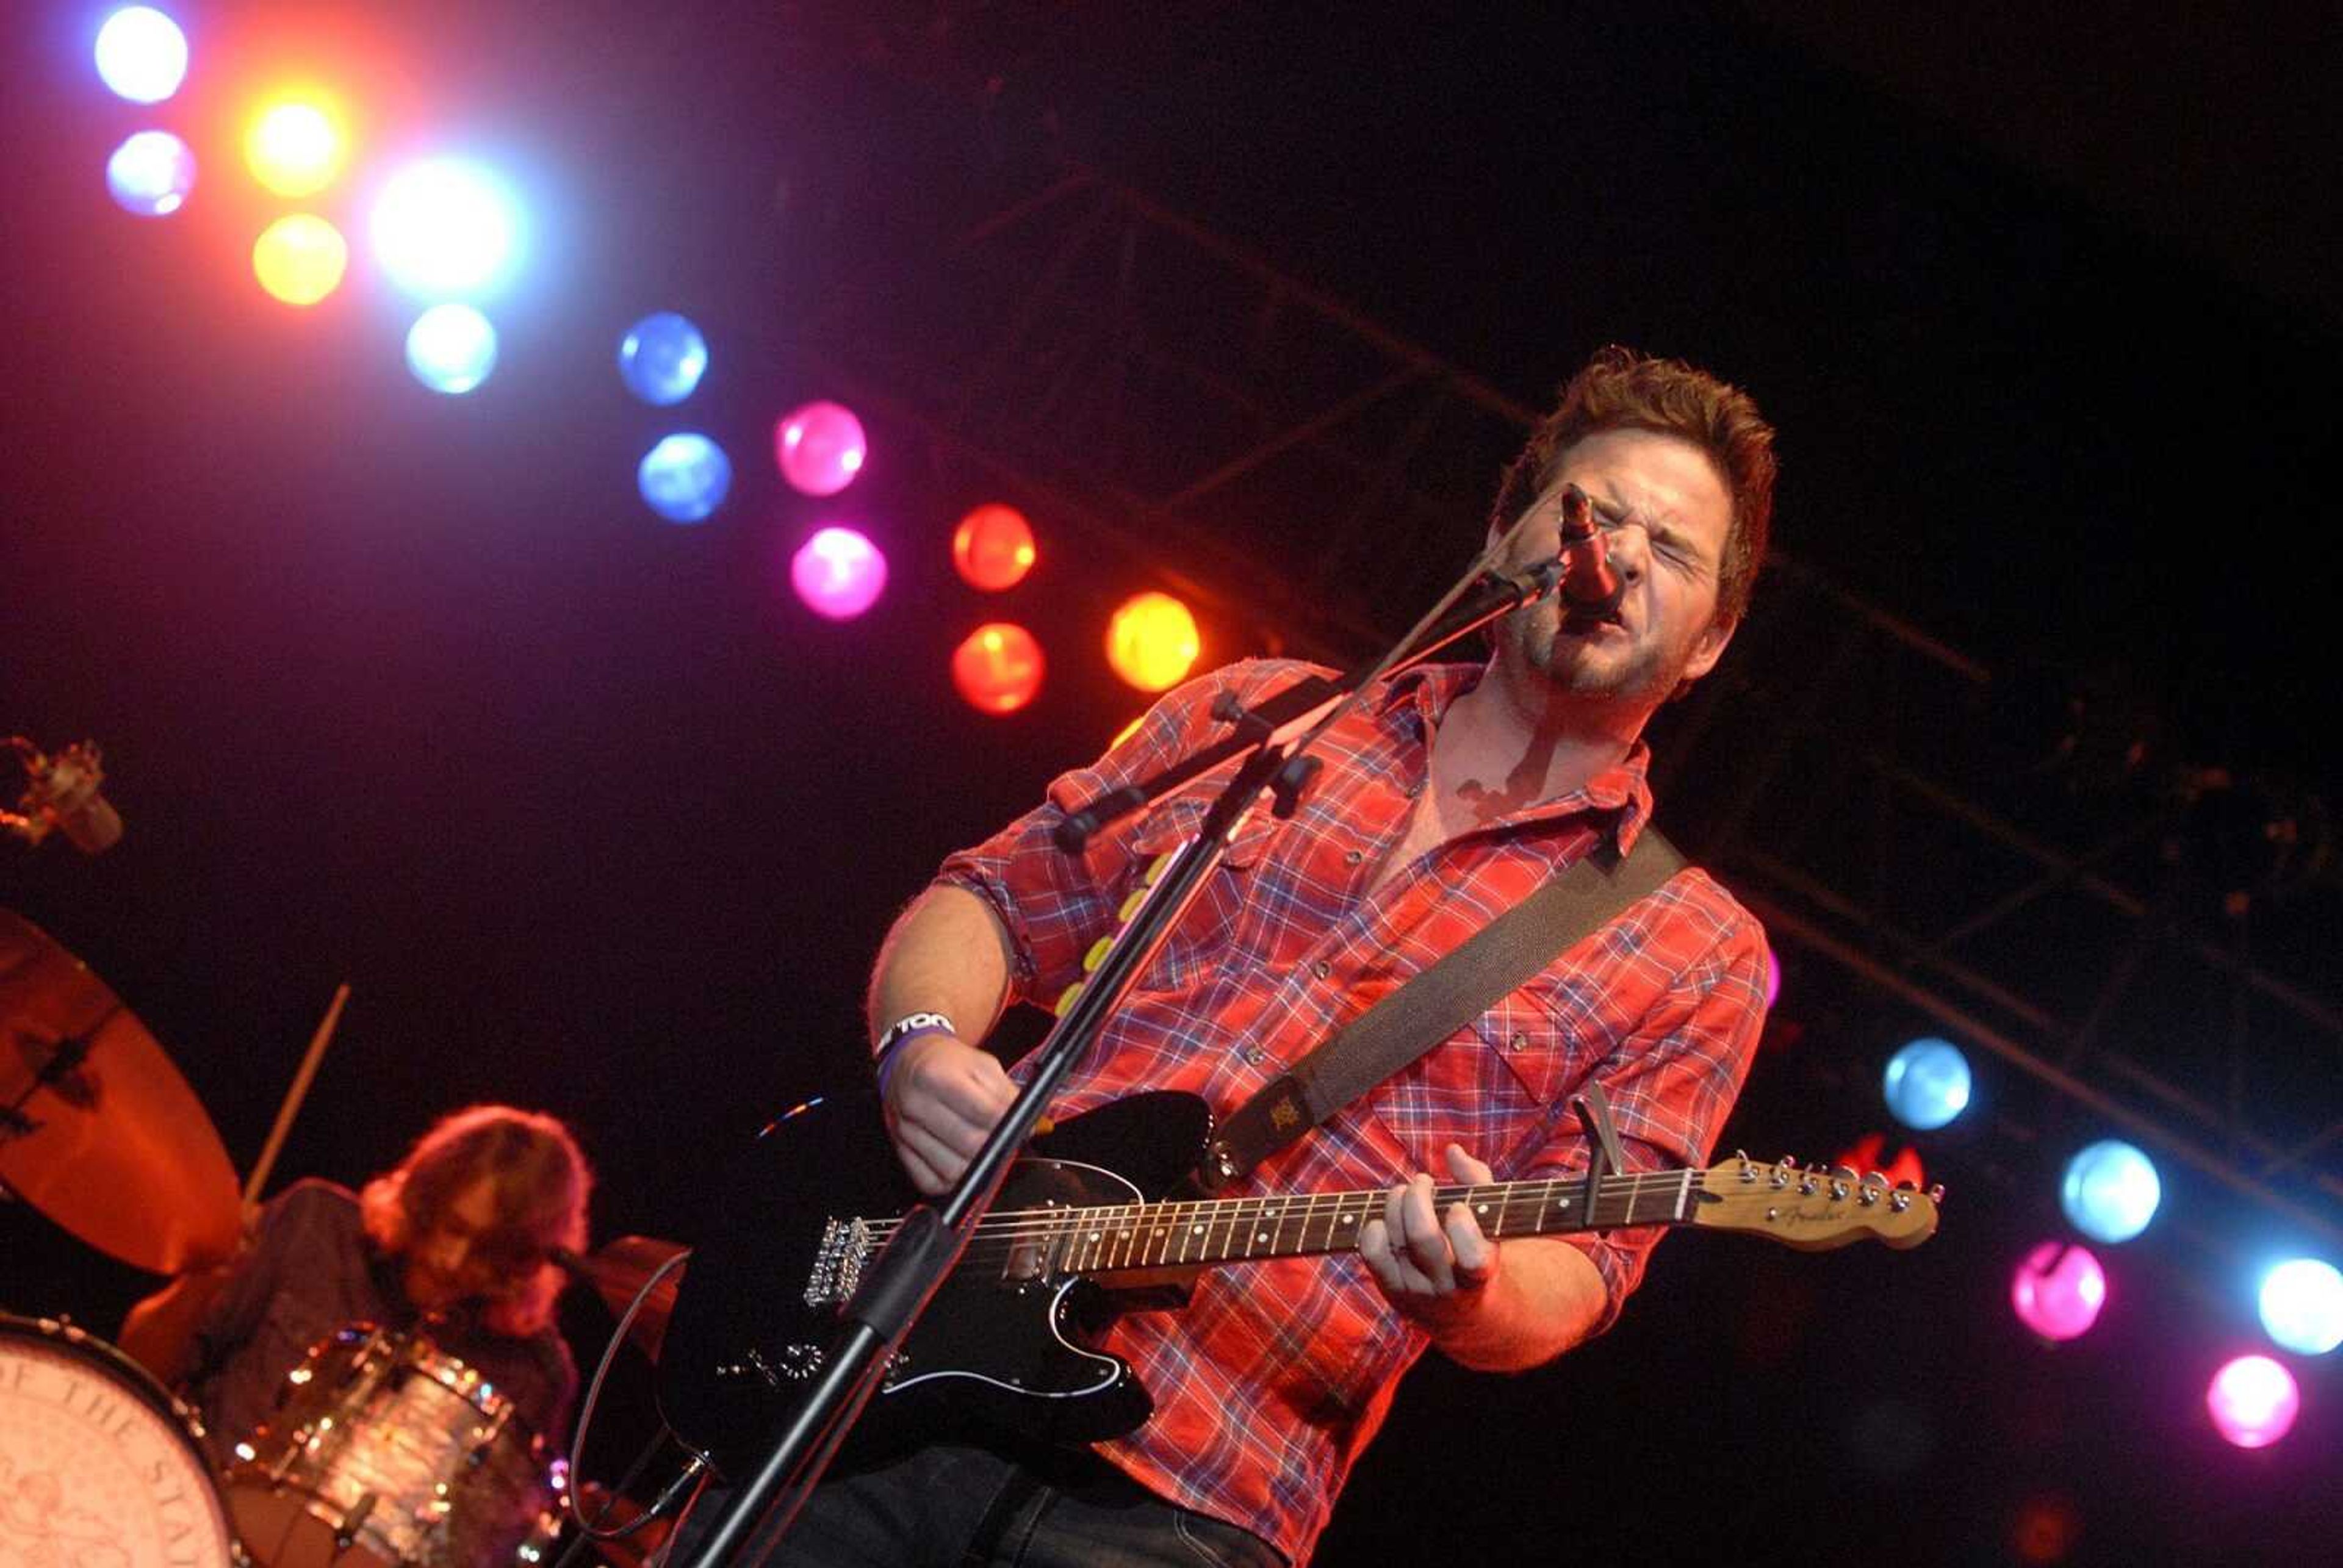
[1118,1222]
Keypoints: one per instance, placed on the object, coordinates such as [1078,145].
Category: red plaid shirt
[1276,1375]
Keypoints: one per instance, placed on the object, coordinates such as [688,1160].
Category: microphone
[61,792]
[1591,589]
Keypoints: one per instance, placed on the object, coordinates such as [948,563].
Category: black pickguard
[990,1353]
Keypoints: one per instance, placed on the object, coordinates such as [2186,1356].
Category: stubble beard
[1574,669]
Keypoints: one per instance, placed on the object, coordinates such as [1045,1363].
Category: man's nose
[1628,548]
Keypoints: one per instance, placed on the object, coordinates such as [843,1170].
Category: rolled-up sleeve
[1671,1085]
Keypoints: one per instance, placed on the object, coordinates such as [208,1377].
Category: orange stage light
[993,547]
[1153,642]
[998,667]
[295,147]
[300,260]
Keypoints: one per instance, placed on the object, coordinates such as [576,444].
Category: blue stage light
[142,54]
[662,357]
[2302,1306]
[2110,1191]
[151,174]
[1927,1083]
[685,478]
[451,349]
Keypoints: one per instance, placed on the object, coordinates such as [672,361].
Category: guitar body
[1000,1348]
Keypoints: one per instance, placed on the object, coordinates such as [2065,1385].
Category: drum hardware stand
[346,1531]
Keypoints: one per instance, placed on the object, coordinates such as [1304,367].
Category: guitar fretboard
[1232,1229]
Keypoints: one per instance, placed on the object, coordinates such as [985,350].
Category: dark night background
[413,692]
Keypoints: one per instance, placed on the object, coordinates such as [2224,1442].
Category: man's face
[463,1253]
[1666,515]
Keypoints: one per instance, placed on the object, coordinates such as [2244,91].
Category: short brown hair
[1622,389]
[541,1181]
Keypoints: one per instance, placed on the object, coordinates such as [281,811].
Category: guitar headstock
[1811,1208]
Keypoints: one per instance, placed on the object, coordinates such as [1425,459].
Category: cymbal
[618,1270]
[114,1147]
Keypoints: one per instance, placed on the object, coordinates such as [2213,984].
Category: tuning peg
[1936,1193]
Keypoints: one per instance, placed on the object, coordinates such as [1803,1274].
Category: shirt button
[1254,1055]
[1321,969]
[1415,788]
[1520,1042]
[1352,857]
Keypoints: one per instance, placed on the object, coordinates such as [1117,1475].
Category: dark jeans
[952,1507]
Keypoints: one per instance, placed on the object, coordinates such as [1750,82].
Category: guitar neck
[1238,1230]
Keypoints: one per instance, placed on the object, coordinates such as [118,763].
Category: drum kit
[384,1450]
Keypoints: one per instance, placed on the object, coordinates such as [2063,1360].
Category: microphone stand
[929,1240]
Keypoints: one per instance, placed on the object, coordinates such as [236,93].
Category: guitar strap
[1573,902]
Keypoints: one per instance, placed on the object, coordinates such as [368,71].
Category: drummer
[458,1239]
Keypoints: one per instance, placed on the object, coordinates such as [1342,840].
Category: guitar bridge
[838,1262]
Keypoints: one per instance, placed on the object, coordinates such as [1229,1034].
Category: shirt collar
[1622,789]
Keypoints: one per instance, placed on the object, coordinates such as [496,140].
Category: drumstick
[293,1097]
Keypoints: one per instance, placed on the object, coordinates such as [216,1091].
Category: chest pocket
[1204,938]
[1545,1036]
[1499,1086]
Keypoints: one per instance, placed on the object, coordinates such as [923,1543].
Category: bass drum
[99,1467]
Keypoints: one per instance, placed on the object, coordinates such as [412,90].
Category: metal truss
[1883,802]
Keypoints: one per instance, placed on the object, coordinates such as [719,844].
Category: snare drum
[385,1452]
[99,1467]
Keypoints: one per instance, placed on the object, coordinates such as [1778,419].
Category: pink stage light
[1773,980]
[2254,1401]
[820,448]
[839,573]
[2059,1289]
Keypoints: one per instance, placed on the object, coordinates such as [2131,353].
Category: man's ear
[1706,649]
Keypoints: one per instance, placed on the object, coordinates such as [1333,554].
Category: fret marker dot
[1260,1235]
[1195,1230]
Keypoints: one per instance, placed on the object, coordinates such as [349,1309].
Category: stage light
[2110,1191]
[2302,1306]
[998,667]
[839,573]
[993,549]
[662,357]
[1151,641]
[2059,1289]
[151,174]
[294,148]
[1773,980]
[2254,1401]
[444,227]
[300,260]
[1869,1152]
[685,478]
[142,54]
[451,349]
[820,447]
[1927,1083]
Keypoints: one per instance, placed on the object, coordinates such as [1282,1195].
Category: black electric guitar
[1001,1344]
